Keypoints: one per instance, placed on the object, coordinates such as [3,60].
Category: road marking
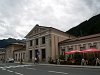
[15,66]
[2,64]
[3,69]
[51,71]
[9,71]
[18,73]
[58,72]
[32,68]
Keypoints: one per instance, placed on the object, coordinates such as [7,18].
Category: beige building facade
[82,43]
[15,51]
[43,42]
[20,54]
[2,54]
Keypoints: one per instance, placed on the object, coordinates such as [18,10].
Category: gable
[37,29]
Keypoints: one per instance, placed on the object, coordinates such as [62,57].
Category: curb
[73,66]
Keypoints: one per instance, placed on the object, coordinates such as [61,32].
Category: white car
[10,60]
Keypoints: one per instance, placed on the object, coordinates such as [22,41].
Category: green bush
[62,57]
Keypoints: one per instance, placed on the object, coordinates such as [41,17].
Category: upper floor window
[79,45]
[83,47]
[63,52]
[23,55]
[31,43]
[75,47]
[36,41]
[70,48]
[95,45]
[90,45]
[43,40]
[19,56]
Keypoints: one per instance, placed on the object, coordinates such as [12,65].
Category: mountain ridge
[6,42]
[88,27]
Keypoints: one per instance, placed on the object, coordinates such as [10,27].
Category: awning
[73,51]
[90,50]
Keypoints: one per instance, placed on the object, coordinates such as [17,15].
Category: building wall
[56,37]
[16,47]
[81,44]
[2,55]
[51,45]
[20,54]
[38,47]
[10,50]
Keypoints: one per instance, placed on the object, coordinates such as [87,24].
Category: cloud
[18,17]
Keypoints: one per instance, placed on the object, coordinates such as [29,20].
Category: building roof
[21,49]
[2,49]
[49,28]
[80,38]
[16,44]
[2,53]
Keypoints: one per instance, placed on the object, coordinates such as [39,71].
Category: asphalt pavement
[44,69]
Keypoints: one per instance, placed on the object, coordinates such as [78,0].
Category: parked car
[10,60]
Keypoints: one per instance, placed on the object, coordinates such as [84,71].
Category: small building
[43,42]
[20,54]
[2,53]
[15,51]
[81,43]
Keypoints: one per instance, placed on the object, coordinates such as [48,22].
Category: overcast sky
[18,17]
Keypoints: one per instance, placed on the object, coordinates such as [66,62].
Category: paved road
[17,69]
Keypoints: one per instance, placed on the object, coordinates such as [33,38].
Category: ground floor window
[23,56]
[30,55]
[16,57]
[43,54]
[37,53]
